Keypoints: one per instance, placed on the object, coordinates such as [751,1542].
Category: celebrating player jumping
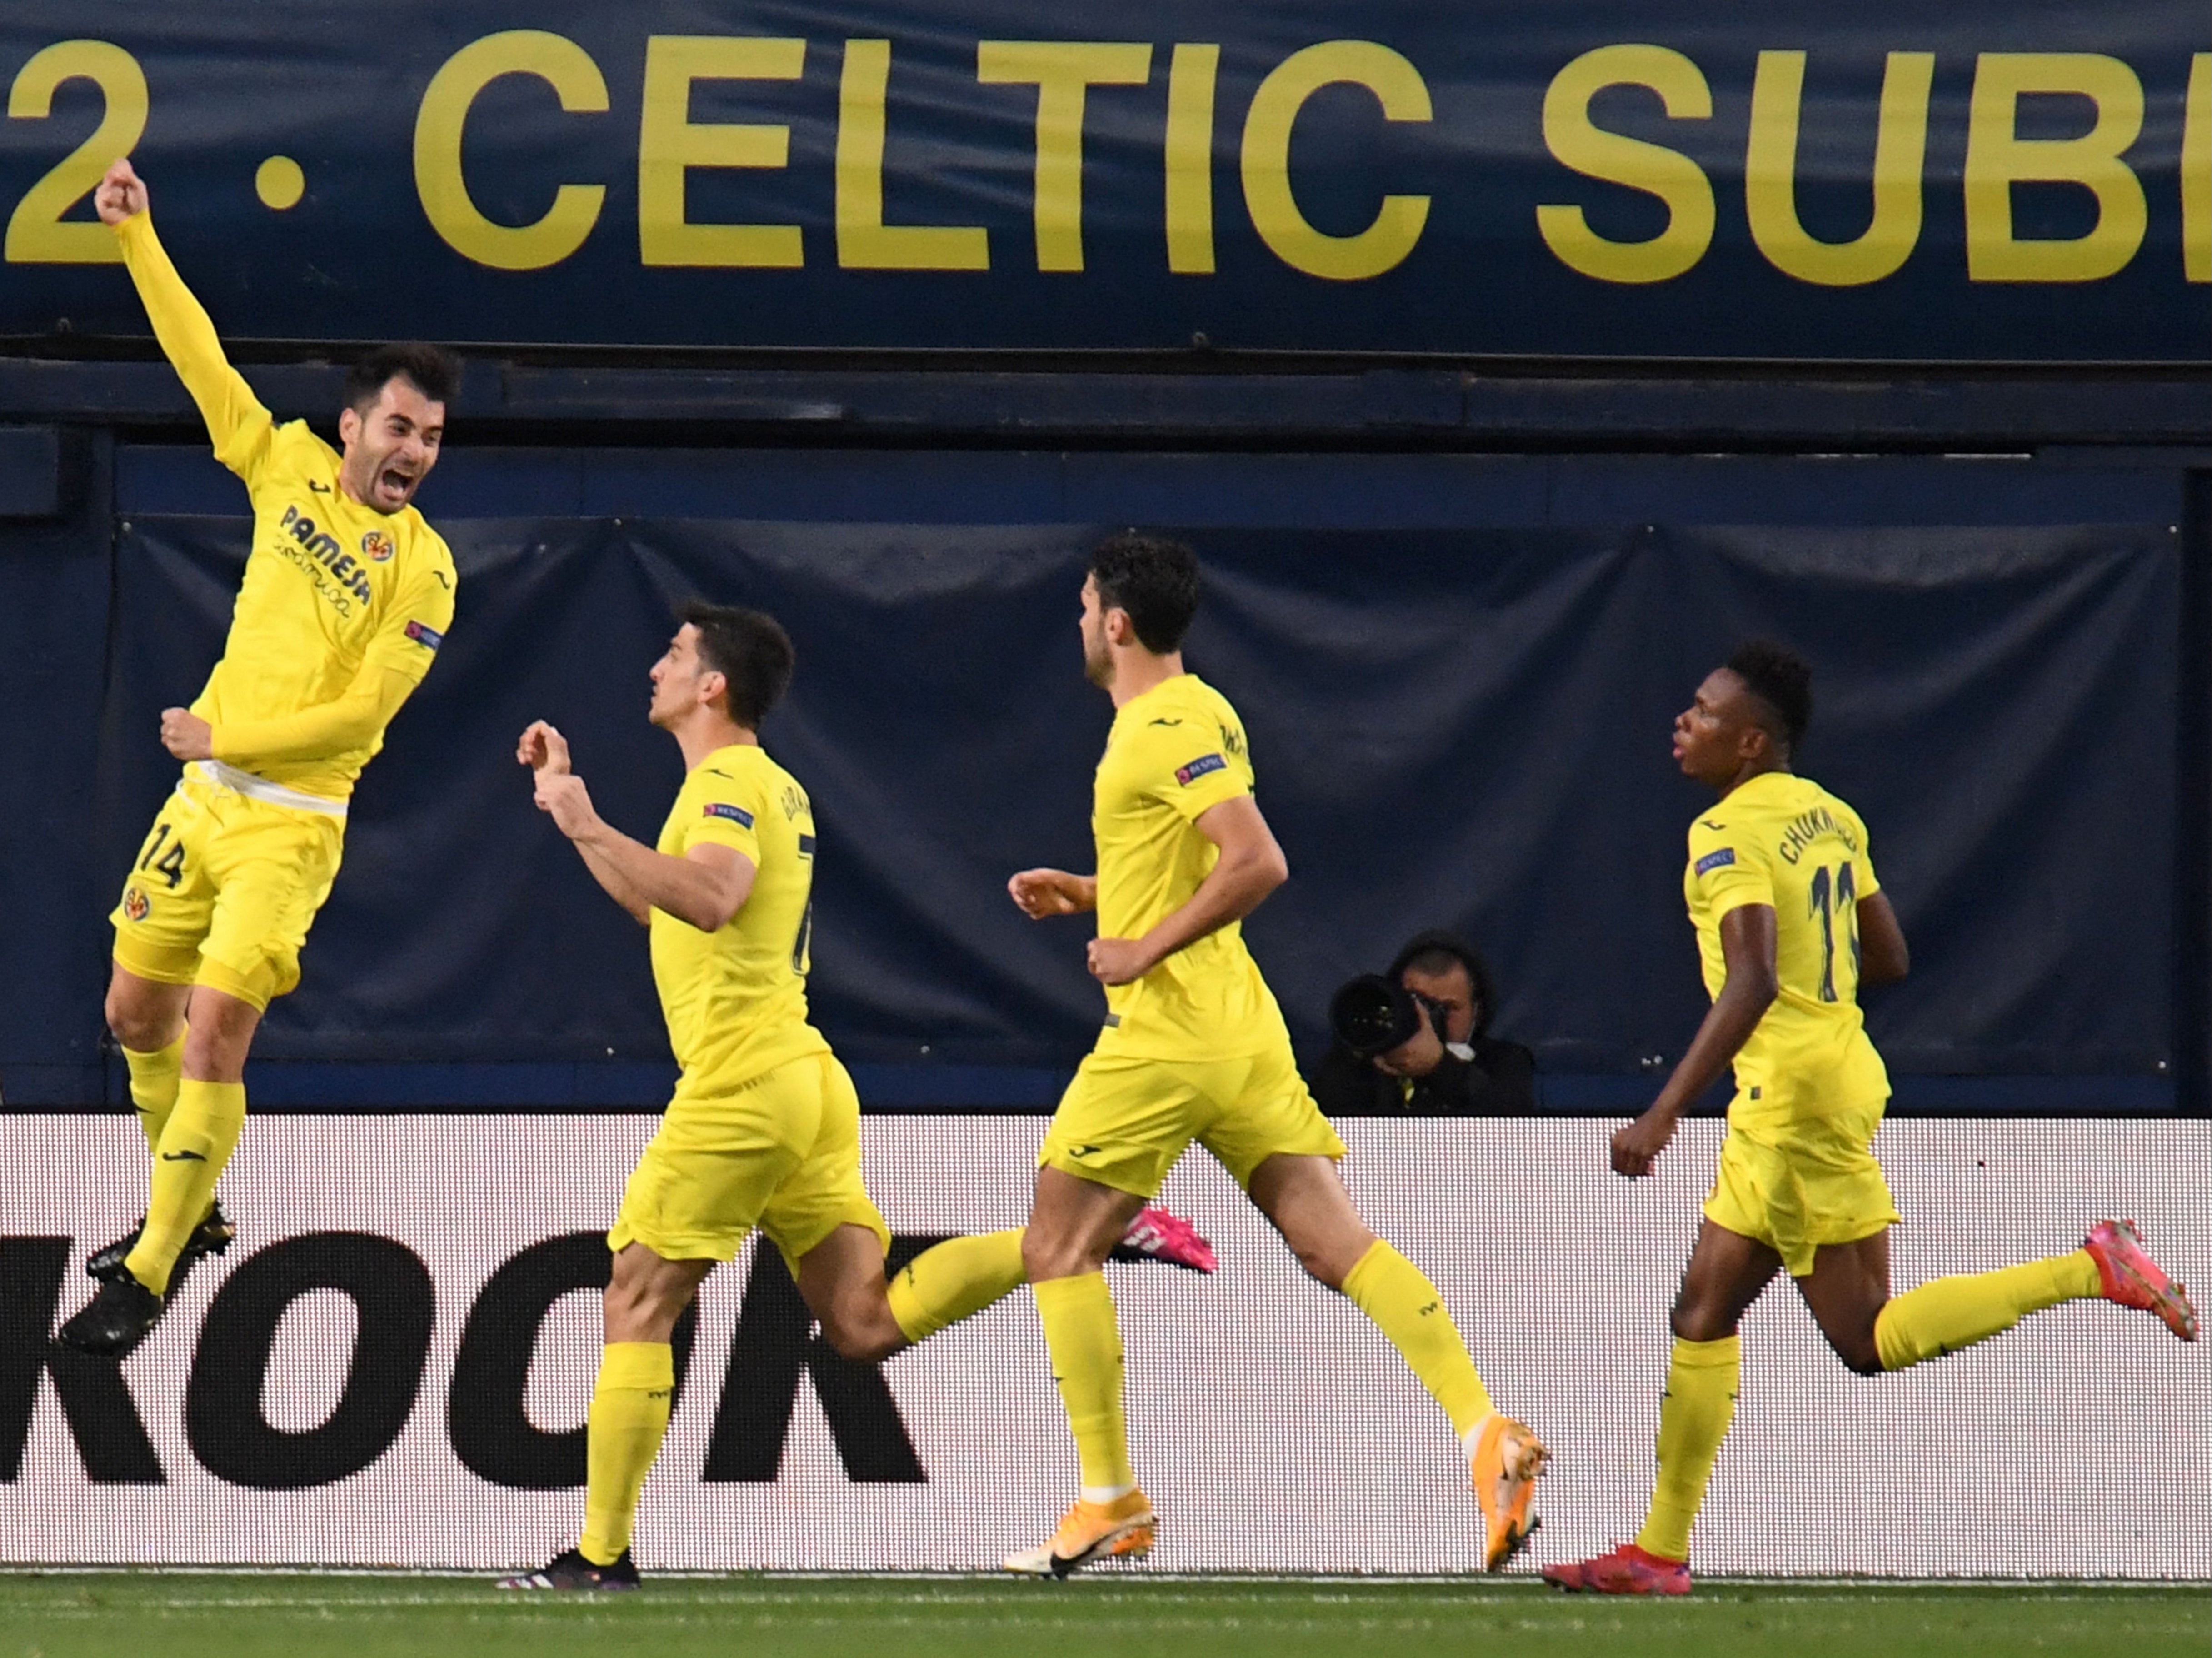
[1791,922]
[346,598]
[1194,1048]
[764,1128]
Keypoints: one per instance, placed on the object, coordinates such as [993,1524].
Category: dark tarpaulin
[1453,727]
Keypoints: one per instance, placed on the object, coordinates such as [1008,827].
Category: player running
[1791,922]
[346,598]
[764,1128]
[1195,1047]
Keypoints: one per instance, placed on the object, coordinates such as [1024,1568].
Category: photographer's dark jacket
[1500,1080]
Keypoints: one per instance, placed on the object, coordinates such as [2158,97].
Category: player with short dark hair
[763,1131]
[1790,923]
[430,369]
[749,649]
[1194,1048]
[347,595]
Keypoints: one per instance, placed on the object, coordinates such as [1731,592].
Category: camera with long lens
[1373,1014]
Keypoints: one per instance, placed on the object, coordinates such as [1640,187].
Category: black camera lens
[1373,1014]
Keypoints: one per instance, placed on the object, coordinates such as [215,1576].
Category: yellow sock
[1406,1307]
[1694,1413]
[1945,1315]
[1085,1345]
[154,1079]
[196,1142]
[629,1415]
[959,1276]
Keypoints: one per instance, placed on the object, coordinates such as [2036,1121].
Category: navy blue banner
[1886,181]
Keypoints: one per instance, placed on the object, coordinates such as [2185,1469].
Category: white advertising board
[352,1385]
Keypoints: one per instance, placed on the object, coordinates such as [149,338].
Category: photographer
[1443,1065]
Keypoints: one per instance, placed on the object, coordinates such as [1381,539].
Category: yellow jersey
[1784,841]
[1174,753]
[342,608]
[735,999]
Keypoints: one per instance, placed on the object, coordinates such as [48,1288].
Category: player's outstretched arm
[1748,944]
[1251,866]
[706,887]
[238,426]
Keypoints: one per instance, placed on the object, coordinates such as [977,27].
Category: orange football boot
[1119,1530]
[1504,1465]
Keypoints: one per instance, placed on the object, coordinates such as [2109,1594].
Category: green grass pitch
[177,1615]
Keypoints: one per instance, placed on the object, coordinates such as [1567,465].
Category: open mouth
[394,482]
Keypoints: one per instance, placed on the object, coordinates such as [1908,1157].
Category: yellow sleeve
[239,425]
[1188,767]
[394,664]
[721,810]
[1728,866]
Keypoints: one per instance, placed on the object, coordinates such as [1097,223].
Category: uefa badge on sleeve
[379,546]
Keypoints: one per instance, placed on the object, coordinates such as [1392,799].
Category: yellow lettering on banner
[865,242]
[668,143]
[1997,158]
[2196,172]
[1191,74]
[576,79]
[1062,71]
[37,232]
[1770,172]
[1398,86]
[1671,176]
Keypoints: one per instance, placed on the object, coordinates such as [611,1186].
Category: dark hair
[1437,951]
[1782,680]
[749,648]
[431,370]
[1152,578]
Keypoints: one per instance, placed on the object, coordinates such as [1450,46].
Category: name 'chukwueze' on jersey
[342,609]
[735,999]
[1785,841]
[1174,753]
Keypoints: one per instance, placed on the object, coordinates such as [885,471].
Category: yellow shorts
[1123,1122]
[224,890]
[782,1153]
[1797,1186]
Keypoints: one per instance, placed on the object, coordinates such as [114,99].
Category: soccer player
[765,1127]
[1791,922]
[346,598]
[1195,1047]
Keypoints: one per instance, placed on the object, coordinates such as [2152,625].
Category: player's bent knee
[1326,1267]
[1045,1257]
[863,1340]
[142,1020]
[1698,1321]
[1861,1355]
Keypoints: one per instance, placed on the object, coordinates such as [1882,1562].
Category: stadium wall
[392,1365]
[1458,671]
